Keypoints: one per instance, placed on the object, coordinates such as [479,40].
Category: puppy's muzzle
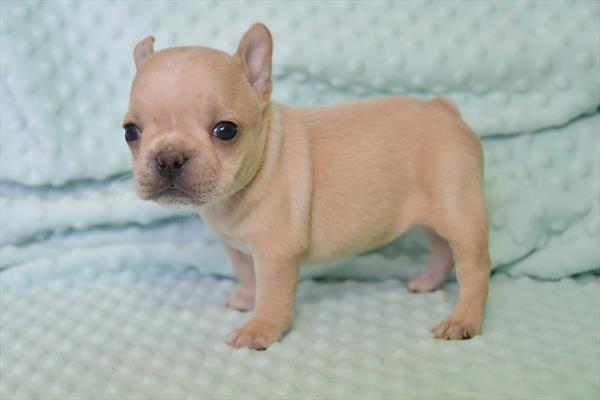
[170,164]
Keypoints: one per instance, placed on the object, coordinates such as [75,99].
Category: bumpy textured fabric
[158,333]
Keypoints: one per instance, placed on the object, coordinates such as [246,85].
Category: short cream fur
[304,185]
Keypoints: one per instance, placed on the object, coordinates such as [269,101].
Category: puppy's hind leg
[440,264]
[467,234]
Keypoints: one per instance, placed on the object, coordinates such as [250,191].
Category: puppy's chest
[240,245]
[232,233]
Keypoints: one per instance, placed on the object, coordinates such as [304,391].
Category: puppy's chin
[170,197]
[173,197]
[177,194]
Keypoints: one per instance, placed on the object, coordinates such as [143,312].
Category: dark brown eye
[131,132]
[225,130]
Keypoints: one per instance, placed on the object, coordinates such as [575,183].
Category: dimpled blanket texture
[98,286]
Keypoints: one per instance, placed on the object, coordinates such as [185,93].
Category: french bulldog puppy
[285,186]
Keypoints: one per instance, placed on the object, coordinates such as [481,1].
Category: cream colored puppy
[285,186]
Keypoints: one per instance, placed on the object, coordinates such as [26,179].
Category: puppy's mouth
[174,195]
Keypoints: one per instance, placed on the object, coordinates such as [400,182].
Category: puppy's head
[194,119]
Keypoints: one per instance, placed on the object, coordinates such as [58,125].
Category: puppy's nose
[170,164]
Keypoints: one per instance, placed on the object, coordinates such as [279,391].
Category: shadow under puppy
[285,186]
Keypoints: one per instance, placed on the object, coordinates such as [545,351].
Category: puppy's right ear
[143,50]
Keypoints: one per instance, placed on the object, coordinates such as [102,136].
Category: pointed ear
[255,51]
[143,50]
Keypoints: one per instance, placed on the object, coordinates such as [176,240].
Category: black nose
[170,164]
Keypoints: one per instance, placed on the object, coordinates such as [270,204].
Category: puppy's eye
[131,132]
[225,130]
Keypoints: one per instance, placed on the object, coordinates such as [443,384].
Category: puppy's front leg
[276,280]
[243,298]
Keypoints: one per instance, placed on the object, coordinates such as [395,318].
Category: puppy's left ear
[255,51]
[143,50]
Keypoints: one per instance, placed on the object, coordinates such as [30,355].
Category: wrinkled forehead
[184,75]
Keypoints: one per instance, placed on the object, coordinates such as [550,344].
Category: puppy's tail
[448,104]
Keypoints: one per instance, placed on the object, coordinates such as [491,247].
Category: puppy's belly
[335,238]
[360,211]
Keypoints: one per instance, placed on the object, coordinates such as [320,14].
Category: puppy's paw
[426,282]
[255,335]
[241,301]
[456,329]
